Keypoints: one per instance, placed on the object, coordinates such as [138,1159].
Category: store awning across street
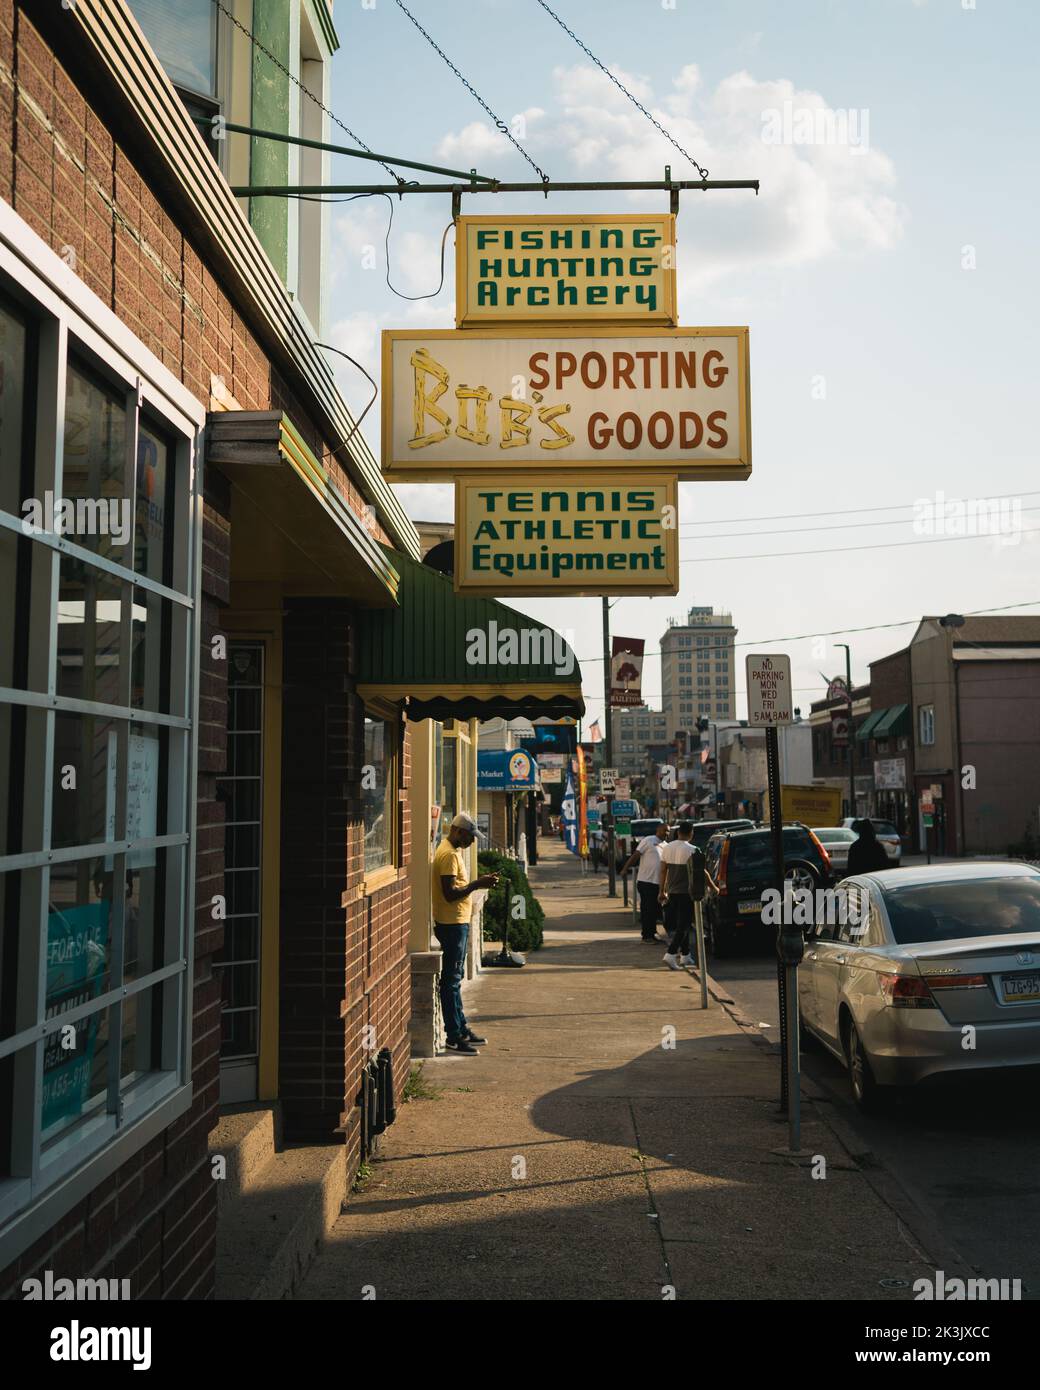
[892,722]
[454,657]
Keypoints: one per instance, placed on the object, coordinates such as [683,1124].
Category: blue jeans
[453,938]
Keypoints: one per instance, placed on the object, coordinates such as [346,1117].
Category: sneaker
[473,1038]
[671,961]
[464,1046]
[688,961]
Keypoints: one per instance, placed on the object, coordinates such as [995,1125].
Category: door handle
[812,955]
[839,960]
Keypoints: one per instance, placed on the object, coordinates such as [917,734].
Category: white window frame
[71,319]
[926,724]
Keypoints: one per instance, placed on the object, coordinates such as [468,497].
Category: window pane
[153,530]
[79,916]
[184,38]
[376,795]
[75,1081]
[83,809]
[89,615]
[142,1032]
[94,477]
[145,946]
[150,642]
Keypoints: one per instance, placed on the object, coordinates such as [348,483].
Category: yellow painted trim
[596,582]
[469,318]
[267,628]
[421,470]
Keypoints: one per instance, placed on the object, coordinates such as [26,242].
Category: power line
[833,632]
[850,511]
[622,88]
[835,526]
[500,125]
[838,550]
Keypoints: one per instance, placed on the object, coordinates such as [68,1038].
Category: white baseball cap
[464,821]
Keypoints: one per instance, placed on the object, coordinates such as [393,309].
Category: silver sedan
[933,971]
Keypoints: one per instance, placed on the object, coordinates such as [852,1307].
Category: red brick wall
[344,955]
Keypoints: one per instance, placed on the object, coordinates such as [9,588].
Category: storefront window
[95,752]
[378,793]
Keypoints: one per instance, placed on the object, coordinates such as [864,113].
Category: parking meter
[696,872]
[790,944]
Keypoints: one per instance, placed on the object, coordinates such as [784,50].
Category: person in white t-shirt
[648,879]
[675,894]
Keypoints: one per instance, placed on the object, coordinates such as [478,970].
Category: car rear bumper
[910,1046]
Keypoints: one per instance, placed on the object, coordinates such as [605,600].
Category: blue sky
[883,370]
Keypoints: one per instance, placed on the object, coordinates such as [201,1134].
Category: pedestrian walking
[451,893]
[675,894]
[867,852]
[648,879]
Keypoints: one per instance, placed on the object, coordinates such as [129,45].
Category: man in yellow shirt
[452,909]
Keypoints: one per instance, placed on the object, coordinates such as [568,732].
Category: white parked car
[932,951]
[836,840]
[886,833]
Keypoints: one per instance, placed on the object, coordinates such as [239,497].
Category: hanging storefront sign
[840,730]
[551,533]
[610,400]
[602,267]
[505,770]
[569,816]
[626,671]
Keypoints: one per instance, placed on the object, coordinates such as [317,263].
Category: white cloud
[816,200]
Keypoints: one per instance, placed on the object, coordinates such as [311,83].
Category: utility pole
[608,819]
[852,732]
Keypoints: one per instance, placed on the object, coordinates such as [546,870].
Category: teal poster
[77,958]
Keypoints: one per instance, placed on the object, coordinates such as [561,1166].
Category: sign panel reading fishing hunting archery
[560,533]
[607,269]
[608,400]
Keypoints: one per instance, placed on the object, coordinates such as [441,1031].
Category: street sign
[611,268]
[937,791]
[768,690]
[566,533]
[607,779]
[810,805]
[604,400]
[624,806]
[551,775]
[926,800]
[622,787]
[623,827]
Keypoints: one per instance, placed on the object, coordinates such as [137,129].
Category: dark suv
[703,830]
[741,863]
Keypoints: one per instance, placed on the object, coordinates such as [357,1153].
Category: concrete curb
[922,1225]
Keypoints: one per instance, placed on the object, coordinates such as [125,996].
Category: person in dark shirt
[867,853]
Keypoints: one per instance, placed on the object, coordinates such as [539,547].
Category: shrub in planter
[525,931]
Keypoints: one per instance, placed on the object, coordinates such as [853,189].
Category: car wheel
[802,874]
[864,1088]
[719,943]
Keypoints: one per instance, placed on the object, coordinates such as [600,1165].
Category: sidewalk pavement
[582,1157]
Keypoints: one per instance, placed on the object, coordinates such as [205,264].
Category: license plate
[753,906]
[1021,988]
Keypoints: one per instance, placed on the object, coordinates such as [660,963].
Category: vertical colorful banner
[583,804]
[569,815]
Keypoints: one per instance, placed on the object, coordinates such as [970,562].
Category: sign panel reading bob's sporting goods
[613,269]
[557,533]
[476,400]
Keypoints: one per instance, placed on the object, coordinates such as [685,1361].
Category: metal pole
[609,736]
[851,733]
[698,919]
[793,1061]
[279,190]
[776,836]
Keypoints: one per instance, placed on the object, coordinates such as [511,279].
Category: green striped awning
[895,723]
[866,729]
[453,656]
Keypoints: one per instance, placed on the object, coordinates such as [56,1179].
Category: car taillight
[722,866]
[823,853]
[956,981]
[906,992]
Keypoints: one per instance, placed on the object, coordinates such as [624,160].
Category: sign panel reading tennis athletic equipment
[768,690]
[559,533]
[670,400]
[615,269]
